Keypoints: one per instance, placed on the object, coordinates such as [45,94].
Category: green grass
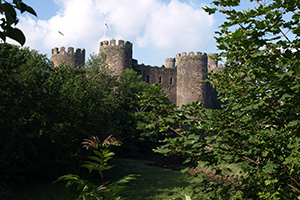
[153,183]
[44,191]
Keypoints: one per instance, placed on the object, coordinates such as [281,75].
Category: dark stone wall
[212,94]
[79,57]
[162,75]
[181,79]
[68,58]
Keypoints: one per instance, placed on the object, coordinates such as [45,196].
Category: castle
[181,77]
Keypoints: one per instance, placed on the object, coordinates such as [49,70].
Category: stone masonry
[181,77]
[76,58]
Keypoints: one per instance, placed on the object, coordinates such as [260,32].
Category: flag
[60,33]
[106,25]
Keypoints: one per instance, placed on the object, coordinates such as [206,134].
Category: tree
[9,20]
[22,77]
[258,129]
[129,86]
[124,100]
[97,61]
[46,112]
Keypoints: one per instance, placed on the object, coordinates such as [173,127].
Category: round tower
[118,56]
[212,62]
[170,62]
[68,58]
[190,74]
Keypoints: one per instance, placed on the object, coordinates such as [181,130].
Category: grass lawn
[44,191]
[153,183]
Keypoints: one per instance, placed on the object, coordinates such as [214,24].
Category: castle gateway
[181,77]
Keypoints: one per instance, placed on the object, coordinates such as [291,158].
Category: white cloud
[127,19]
[177,25]
[164,27]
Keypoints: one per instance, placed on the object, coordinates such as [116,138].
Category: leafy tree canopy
[9,19]
[46,112]
[258,130]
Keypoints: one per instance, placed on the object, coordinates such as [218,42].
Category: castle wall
[118,56]
[182,83]
[190,74]
[212,62]
[212,94]
[181,79]
[68,58]
[162,75]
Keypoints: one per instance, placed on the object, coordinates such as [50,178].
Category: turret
[118,56]
[69,58]
[170,62]
[212,62]
[190,74]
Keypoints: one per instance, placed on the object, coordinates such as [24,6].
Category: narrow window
[148,79]
[171,80]
[159,79]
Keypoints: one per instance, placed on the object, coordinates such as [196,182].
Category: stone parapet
[63,57]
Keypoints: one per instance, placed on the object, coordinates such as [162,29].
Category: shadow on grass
[44,191]
[153,182]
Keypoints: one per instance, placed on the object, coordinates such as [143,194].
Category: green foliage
[97,61]
[154,182]
[22,77]
[78,103]
[98,162]
[123,101]
[129,86]
[155,106]
[102,152]
[9,20]
[46,112]
[258,127]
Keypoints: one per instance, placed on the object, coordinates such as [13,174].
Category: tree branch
[293,187]
[176,131]
[240,155]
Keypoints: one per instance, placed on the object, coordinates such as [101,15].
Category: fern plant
[98,162]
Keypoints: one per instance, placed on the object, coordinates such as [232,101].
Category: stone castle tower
[70,57]
[190,74]
[118,56]
[181,77]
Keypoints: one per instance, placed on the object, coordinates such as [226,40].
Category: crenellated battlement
[191,55]
[213,63]
[69,57]
[118,55]
[113,43]
[80,51]
[70,51]
[170,62]
[181,77]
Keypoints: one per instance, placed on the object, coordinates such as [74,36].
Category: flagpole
[59,33]
[105,28]
[104,32]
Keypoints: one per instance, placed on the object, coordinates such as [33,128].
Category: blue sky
[158,29]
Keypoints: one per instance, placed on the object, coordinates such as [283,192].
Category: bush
[46,112]
[258,127]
